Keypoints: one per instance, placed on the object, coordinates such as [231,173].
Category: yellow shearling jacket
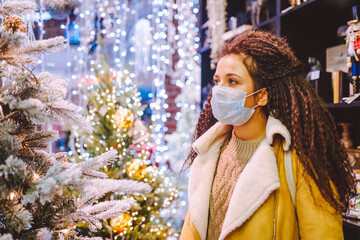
[261,206]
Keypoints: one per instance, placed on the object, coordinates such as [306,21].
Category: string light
[160,69]
[115,17]
[12,195]
[36,177]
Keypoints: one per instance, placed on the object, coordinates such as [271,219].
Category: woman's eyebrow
[232,74]
[228,75]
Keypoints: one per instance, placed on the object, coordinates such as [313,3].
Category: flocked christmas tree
[115,110]
[43,196]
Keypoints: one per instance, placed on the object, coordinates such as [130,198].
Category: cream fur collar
[257,181]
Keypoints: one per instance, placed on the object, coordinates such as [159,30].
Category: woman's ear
[262,97]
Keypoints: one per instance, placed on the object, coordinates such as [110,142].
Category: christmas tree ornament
[136,170]
[60,9]
[14,24]
[139,132]
[121,223]
[123,118]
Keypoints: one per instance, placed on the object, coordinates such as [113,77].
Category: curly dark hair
[292,100]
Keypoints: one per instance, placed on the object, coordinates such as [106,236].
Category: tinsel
[216,10]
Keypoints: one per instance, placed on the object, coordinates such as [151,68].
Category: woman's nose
[222,84]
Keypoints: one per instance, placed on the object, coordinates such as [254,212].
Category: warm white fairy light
[187,44]
[115,30]
[161,69]
[12,195]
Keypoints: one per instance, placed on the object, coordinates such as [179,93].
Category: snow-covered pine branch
[7,236]
[91,174]
[44,46]
[12,174]
[57,111]
[104,210]
[14,50]
[87,238]
[119,205]
[65,174]
[43,161]
[95,188]
[32,108]
[42,104]
[10,42]
[99,161]
[30,105]
[111,209]
[6,128]
[44,190]
[19,217]
[52,86]
[39,139]
[18,60]
[17,8]
[72,175]
[42,233]
[63,111]
[8,147]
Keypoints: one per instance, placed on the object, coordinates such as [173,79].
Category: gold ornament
[123,118]
[136,170]
[13,24]
[121,223]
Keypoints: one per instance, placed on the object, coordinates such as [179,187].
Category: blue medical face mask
[228,106]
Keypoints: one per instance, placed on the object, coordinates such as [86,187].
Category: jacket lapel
[257,181]
[202,173]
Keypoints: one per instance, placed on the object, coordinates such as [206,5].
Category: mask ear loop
[254,93]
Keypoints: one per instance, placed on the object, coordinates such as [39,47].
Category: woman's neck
[254,129]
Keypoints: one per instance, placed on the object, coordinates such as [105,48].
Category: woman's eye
[216,82]
[232,81]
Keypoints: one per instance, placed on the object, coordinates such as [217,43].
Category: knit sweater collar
[219,131]
[242,149]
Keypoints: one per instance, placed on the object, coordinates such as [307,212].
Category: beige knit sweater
[235,155]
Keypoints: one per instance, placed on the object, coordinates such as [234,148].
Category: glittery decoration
[217,27]
[123,118]
[122,223]
[14,24]
[136,170]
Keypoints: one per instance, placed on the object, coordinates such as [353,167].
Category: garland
[216,10]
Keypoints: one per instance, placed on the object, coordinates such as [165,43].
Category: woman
[260,110]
